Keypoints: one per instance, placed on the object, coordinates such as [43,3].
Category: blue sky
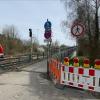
[25,14]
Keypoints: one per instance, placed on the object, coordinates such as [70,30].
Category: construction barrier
[76,75]
[54,68]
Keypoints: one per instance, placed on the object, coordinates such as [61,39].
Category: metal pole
[31,48]
[47,59]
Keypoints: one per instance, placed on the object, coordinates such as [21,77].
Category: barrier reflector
[80,71]
[91,88]
[63,68]
[71,69]
[80,85]
[70,83]
[62,81]
[91,72]
[86,63]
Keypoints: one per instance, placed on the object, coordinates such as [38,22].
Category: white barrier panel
[79,77]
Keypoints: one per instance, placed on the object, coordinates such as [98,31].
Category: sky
[25,14]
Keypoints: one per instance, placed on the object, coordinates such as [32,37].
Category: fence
[61,54]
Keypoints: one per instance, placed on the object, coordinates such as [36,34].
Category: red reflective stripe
[80,85]
[1,49]
[70,83]
[63,68]
[62,81]
[80,71]
[91,72]
[91,88]
[71,69]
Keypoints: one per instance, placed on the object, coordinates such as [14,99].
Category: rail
[18,61]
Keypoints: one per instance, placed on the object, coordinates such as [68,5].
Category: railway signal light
[30,32]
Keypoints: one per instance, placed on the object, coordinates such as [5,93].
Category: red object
[1,49]
[80,85]
[79,27]
[70,83]
[86,61]
[62,81]
[76,60]
[47,34]
[81,71]
[63,68]
[97,61]
[66,59]
[92,72]
[71,69]
[91,88]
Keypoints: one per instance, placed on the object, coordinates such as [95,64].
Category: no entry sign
[47,35]
[77,29]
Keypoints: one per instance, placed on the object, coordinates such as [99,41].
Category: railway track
[16,62]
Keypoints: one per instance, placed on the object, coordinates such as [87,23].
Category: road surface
[31,84]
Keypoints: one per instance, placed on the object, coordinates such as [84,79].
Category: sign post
[48,39]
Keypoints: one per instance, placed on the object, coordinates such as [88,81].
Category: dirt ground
[31,84]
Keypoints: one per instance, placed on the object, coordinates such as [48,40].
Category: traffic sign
[77,29]
[47,35]
[47,25]
[48,31]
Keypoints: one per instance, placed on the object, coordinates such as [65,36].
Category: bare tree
[10,31]
[87,12]
[12,42]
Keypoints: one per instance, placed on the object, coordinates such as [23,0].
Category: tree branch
[94,1]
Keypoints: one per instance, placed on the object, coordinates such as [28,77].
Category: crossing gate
[79,77]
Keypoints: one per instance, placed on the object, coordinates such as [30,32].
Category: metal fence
[61,54]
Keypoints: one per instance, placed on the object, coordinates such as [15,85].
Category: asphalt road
[30,84]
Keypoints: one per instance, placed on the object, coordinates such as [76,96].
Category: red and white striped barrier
[88,79]
[76,76]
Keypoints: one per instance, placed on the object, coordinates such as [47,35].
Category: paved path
[28,84]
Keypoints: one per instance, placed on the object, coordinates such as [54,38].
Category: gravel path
[28,84]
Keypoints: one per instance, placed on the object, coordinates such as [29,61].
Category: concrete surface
[31,84]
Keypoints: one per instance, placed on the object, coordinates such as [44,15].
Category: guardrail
[18,61]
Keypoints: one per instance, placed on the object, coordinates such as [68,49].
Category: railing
[61,54]
[18,61]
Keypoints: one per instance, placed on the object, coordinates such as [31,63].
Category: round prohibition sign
[77,29]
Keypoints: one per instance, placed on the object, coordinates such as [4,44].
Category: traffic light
[30,32]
